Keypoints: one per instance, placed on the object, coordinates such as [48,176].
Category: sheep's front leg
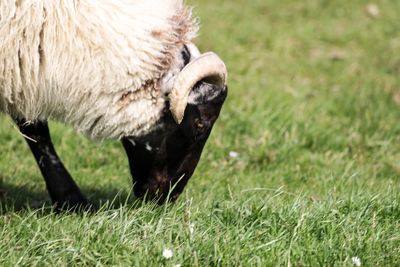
[63,191]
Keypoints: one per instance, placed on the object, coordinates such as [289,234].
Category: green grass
[314,113]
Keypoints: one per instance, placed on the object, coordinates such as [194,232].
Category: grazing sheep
[113,69]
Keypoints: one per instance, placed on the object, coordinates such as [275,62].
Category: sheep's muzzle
[162,162]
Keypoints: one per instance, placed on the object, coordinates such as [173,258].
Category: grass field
[314,115]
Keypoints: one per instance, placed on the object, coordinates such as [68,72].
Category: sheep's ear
[204,93]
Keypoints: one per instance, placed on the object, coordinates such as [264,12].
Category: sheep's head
[162,161]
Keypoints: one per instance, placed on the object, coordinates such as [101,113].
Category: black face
[162,162]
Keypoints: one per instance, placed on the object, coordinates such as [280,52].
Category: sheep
[112,69]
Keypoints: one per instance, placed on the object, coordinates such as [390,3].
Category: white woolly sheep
[121,69]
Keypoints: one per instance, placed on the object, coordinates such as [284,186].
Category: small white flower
[372,10]
[233,154]
[191,229]
[167,253]
[177,265]
[356,261]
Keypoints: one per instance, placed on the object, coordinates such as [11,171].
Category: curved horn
[207,66]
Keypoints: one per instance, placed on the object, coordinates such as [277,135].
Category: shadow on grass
[16,198]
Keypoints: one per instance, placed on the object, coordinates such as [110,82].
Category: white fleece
[94,64]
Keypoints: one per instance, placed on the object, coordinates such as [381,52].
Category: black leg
[63,191]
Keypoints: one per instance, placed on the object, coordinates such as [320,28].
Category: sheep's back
[76,60]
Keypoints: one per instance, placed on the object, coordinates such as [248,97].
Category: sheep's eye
[198,123]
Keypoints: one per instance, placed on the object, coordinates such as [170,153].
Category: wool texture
[96,65]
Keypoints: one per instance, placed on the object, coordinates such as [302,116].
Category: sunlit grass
[313,116]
